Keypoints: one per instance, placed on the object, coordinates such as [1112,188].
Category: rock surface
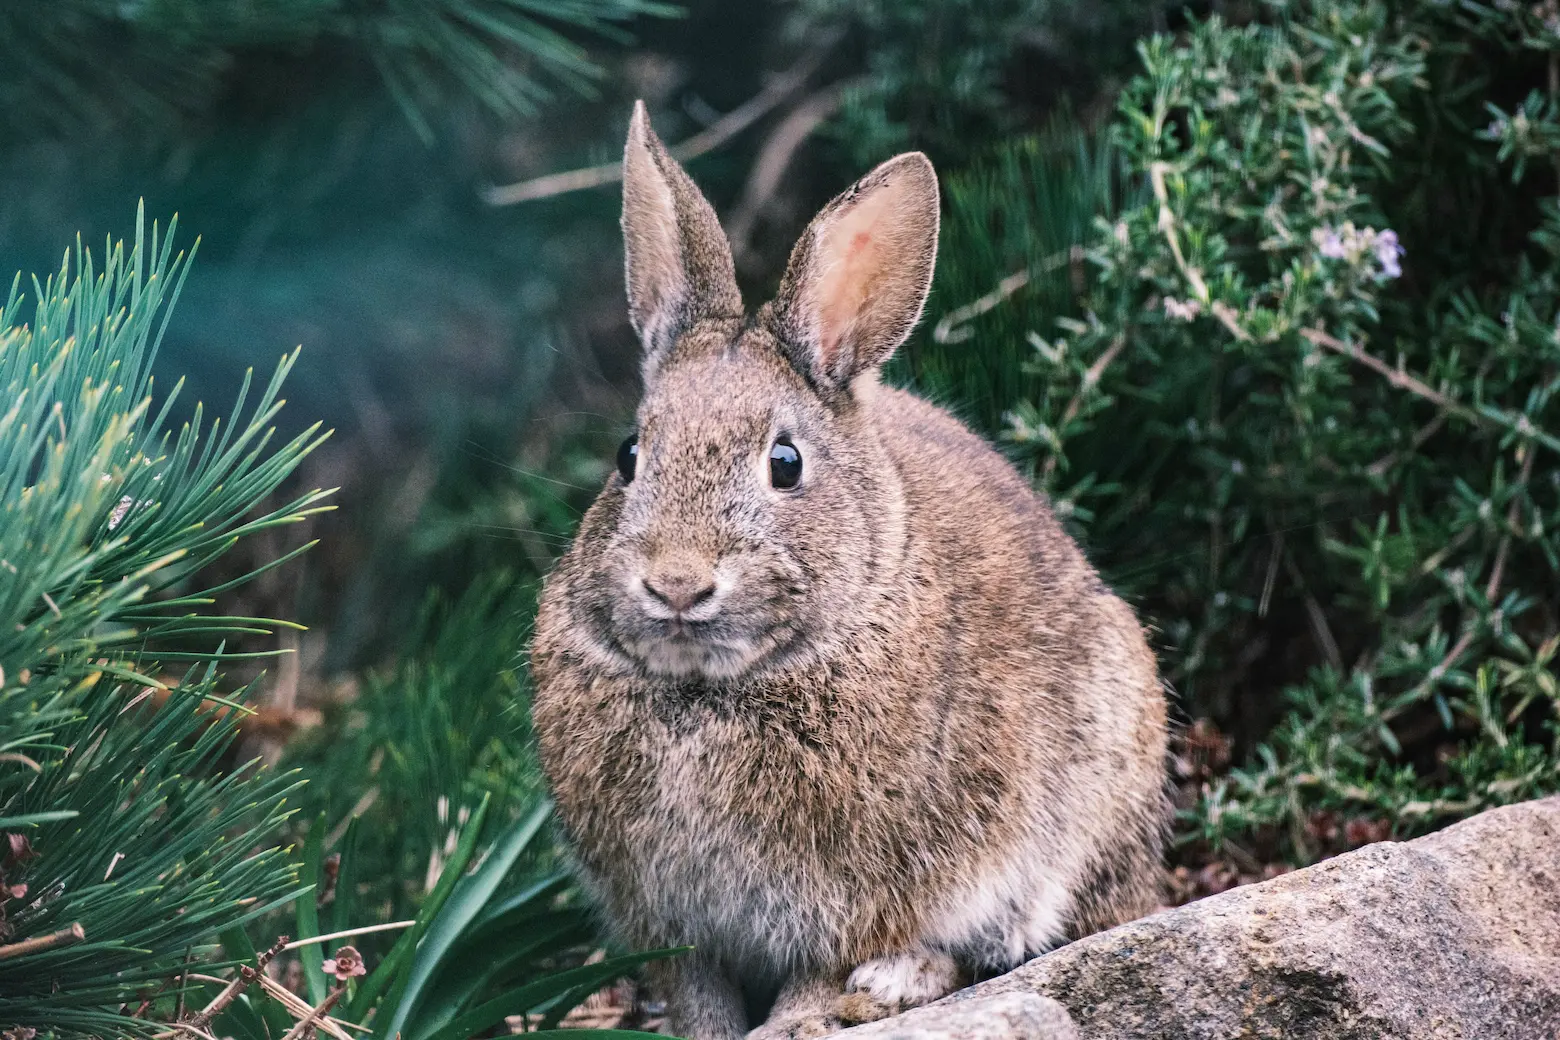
[1017,1015]
[1453,935]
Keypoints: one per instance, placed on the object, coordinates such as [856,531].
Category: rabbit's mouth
[680,648]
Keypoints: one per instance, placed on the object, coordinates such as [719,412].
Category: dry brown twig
[64,937]
[1321,631]
[774,158]
[711,137]
[1424,433]
[299,1008]
[952,327]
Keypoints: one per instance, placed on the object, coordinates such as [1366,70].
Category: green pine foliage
[171,56]
[1305,413]
[142,864]
[131,839]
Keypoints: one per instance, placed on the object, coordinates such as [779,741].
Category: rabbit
[822,688]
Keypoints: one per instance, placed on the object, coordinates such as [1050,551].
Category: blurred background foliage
[1264,295]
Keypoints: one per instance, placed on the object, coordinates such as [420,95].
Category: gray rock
[999,1016]
[1452,935]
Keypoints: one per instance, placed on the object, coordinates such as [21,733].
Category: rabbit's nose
[679,589]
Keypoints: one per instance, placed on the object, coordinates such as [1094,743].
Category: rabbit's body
[900,732]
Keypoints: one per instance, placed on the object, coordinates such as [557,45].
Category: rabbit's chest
[732,841]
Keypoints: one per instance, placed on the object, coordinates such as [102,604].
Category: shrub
[1305,413]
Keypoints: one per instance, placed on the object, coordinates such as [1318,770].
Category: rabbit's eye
[785,465]
[628,454]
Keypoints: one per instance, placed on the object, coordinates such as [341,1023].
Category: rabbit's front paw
[905,980]
[797,1027]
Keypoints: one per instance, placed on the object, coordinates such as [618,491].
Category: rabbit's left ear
[859,276]
[676,258]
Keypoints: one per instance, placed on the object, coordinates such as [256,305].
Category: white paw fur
[905,980]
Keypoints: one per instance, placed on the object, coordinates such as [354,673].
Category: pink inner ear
[851,254]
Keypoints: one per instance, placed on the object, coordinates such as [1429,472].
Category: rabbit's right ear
[860,273]
[675,256]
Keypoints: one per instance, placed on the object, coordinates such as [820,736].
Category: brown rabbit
[822,688]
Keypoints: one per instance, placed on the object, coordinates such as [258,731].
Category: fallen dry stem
[246,975]
[64,937]
[299,1008]
[349,933]
[774,158]
[707,140]
[307,1024]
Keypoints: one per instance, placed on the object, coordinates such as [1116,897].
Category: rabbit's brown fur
[907,732]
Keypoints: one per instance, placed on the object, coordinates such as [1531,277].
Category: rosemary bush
[1304,412]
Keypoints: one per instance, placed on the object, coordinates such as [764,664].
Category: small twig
[64,937]
[1166,224]
[1321,631]
[1521,425]
[951,328]
[775,158]
[305,1026]
[184,981]
[349,933]
[363,805]
[1229,319]
[1491,587]
[284,695]
[1091,379]
[1424,433]
[187,1027]
[1439,556]
[1271,580]
[246,975]
[706,140]
[1401,380]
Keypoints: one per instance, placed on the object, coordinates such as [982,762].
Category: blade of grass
[312,957]
[383,976]
[464,906]
[341,911]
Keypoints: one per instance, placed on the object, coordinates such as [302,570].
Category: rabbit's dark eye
[628,454]
[785,465]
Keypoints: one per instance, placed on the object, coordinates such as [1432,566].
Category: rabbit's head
[755,517]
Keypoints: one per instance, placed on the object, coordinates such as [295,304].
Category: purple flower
[1332,245]
[1389,253]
